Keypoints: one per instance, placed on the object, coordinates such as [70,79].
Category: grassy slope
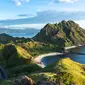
[65,70]
[16,64]
[15,55]
[37,48]
[25,66]
[23,52]
[73,72]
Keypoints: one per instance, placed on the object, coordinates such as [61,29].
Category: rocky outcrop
[24,80]
[65,32]
[28,81]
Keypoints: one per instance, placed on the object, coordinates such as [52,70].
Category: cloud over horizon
[19,2]
[49,16]
[66,1]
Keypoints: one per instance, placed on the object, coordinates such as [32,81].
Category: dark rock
[17,82]
[27,81]
[45,83]
[23,81]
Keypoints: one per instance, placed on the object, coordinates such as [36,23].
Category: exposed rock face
[45,83]
[23,81]
[27,81]
[67,32]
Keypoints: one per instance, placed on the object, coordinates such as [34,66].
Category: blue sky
[36,13]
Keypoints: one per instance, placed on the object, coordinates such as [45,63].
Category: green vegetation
[23,70]
[17,54]
[17,60]
[63,34]
[65,70]
[68,71]
[5,39]
[14,55]
[37,48]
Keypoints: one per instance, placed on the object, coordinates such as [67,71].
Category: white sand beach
[38,59]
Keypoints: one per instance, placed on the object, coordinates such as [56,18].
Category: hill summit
[62,33]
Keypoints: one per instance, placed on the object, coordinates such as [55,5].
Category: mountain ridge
[64,32]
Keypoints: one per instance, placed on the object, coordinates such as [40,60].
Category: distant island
[18,32]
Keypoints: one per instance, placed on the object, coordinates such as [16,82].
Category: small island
[21,58]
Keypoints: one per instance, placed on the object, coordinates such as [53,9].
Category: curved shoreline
[38,59]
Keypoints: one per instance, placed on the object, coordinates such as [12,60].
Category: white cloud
[22,26]
[46,17]
[66,1]
[19,2]
[81,23]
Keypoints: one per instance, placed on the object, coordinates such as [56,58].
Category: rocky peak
[70,31]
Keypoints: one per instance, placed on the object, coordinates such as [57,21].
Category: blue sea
[75,57]
[22,35]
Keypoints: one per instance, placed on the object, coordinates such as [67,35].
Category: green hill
[16,54]
[64,33]
[36,48]
[68,71]
[5,39]
[16,60]
[64,71]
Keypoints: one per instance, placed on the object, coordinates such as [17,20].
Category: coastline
[70,47]
[38,59]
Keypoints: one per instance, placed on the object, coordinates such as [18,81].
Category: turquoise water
[75,57]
